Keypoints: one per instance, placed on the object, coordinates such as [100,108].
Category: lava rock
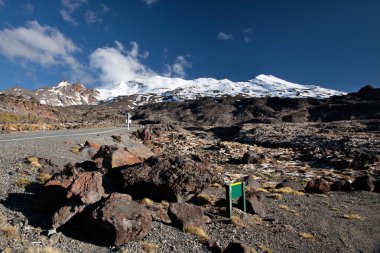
[254,203]
[118,220]
[341,185]
[317,186]
[117,138]
[252,158]
[236,247]
[364,183]
[186,215]
[110,157]
[176,179]
[295,185]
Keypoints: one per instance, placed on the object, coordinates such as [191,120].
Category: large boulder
[85,189]
[68,193]
[118,220]
[186,215]
[291,183]
[176,179]
[341,185]
[317,186]
[364,183]
[253,203]
[110,157]
[252,158]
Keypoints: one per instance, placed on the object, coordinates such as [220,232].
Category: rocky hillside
[62,94]
[228,111]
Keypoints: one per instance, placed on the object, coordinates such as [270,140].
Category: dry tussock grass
[9,231]
[352,216]
[306,235]
[264,248]
[196,231]
[287,190]
[23,182]
[147,201]
[237,221]
[34,162]
[43,250]
[43,177]
[276,196]
[204,199]
[149,247]
[75,150]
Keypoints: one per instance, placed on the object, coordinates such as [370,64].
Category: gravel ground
[318,215]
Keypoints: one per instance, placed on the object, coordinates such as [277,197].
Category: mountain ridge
[155,88]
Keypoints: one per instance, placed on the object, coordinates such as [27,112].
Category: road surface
[15,137]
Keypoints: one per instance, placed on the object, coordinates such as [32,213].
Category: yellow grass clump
[43,177]
[287,190]
[149,247]
[196,231]
[276,196]
[237,221]
[285,207]
[43,250]
[9,231]
[306,235]
[352,216]
[34,162]
[204,199]
[23,182]
[7,250]
[147,201]
[75,150]
[264,248]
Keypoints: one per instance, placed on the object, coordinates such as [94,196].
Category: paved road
[58,133]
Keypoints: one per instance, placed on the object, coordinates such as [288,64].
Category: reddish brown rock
[254,203]
[176,179]
[140,151]
[364,183]
[87,187]
[92,144]
[112,157]
[118,220]
[317,186]
[186,215]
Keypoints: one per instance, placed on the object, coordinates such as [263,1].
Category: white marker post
[129,121]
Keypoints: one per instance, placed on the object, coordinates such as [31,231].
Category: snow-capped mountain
[62,94]
[158,88]
[154,88]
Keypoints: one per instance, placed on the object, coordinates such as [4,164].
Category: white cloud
[247,40]
[2,3]
[43,45]
[178,69]
[117,64]
[149,2]
[68,9]
[247,30]
[37,43]
[28,7]
[92,17]
[224,36]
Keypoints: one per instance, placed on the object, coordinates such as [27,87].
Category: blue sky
[332,43]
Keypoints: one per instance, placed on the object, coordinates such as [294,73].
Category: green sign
[234,191]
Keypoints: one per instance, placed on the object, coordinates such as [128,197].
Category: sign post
[128,120]
[234,191]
